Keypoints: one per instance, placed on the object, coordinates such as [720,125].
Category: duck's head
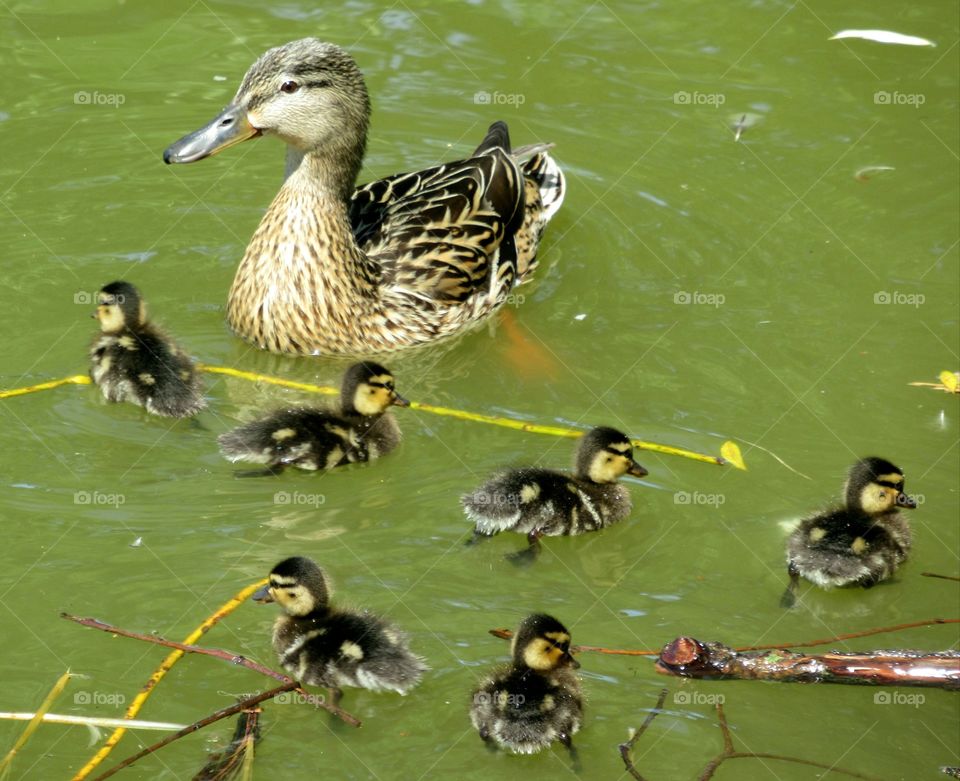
[298,585]
[119,306]
[308,93]
[542,643]
[875,486]
[368,389]
[605,455]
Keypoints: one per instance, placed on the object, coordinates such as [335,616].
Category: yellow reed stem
[729,453]
[222,612]
[35,722]
[76,379]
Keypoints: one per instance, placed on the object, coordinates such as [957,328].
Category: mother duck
[398,262]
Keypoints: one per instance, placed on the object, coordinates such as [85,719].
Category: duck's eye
[292,594]
[289,87]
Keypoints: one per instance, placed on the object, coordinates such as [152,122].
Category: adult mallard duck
[400,261]
[541,502]
[536,699]
[312,438]
[859,544]
[132,360]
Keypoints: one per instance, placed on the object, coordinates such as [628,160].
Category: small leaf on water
[867,172]
[883,36]
[950,380]
[730,452]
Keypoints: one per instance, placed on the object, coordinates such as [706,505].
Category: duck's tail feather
[497,137]
[543,170]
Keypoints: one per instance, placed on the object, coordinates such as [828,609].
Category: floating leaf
[730,451]
[950,380]
[883,36]
[868,171]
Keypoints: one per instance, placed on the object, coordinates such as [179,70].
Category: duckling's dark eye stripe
[888,484]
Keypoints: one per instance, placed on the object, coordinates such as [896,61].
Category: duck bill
[262,594]
[907,502]
[230,127]
[399,401]
[636,470]
[571,661]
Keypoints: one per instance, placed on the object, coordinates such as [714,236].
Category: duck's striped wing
[445,233]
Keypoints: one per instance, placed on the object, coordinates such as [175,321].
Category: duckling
[861,543]
[134,361]
[315,438]
[540,502]
[321,645]
[535,700]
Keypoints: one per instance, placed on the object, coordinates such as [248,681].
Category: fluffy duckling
[540,502]
[535,700]
[860,543]
[316,438]
[321,645]
[134,361]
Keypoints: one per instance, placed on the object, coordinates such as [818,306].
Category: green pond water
[781,290]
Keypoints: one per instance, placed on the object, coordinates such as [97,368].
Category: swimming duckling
[861,543]
[316,438]
[134,361]
[323,646]
[540,502]
[536,699]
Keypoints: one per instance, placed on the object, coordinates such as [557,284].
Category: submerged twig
[212,718]
[729,753]
[216,653]
[626,749]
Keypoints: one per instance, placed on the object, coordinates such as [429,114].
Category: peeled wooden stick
[216,653]
[691,658]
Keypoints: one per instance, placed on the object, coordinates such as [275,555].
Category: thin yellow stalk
[76,379]
[31,727]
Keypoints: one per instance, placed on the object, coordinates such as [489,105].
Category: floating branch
[45,706]
[134,708]
[227,656]
[689,658]
[942,577]
[730,454]
[729,752]
[507,634]
[211,719]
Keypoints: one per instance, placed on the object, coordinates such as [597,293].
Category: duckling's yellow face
[373,396]
[884,494]
[613,462]
[294,597]
[110,313]
[549,651]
